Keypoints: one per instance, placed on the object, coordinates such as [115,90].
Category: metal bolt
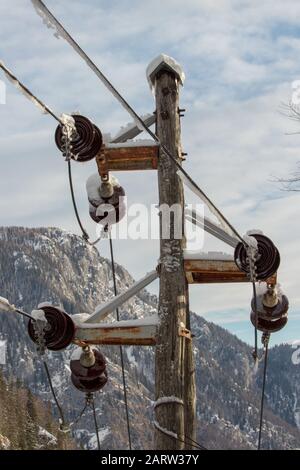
[87,358]
[106,189]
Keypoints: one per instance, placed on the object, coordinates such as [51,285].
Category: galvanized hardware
[106,189]
[265,263]
[85,145]
[87,358]
[270,298]
[60,329]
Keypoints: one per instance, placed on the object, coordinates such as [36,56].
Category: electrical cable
[63,421]
[201,447]
[121,349]
[263,394]
[76,420]
[85,235]
[25,314]
[255,352]
[95,422]
[19,85]
[194,444]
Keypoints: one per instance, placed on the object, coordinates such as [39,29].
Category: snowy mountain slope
[48,264]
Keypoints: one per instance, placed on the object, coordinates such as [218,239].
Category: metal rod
[133,131]
[105,309]
[195,218]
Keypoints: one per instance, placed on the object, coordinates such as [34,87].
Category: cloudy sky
[240,59]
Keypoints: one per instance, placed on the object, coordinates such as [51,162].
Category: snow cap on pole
[164,62]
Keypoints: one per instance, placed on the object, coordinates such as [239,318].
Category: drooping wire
[43,11]
[200,446]
[80,415]
[19,85]
[63,421]
[266,344]
[85,235]
[121,349]
[255,352]
[192,443]
[95,421]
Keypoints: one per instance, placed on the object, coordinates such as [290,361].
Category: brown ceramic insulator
[60,328]
[271,312]
[269,326]
[89,385]
[268,259]
[89,372]
[87,143]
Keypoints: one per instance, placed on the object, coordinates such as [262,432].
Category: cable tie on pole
[167,400]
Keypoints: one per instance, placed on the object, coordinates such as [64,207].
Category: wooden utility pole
[175,396]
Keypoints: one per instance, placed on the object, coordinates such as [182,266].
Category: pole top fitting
[161,63]
[106,189]
[270,298]
[87,358]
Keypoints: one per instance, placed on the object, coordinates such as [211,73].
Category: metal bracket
[102,165]
[184,332]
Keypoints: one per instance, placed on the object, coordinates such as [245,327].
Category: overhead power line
[26,92]
[121,349]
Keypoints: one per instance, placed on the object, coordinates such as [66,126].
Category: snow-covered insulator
[87,142]
[267,261]
[60,329]
[270,319]
[106,198]
[88,367]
